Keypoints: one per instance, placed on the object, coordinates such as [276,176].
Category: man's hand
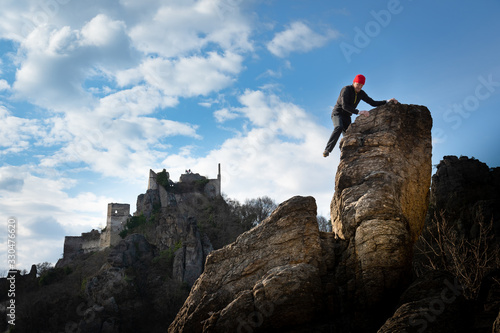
[364,113]
[392,100]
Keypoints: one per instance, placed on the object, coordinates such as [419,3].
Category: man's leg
[338,127]
[346,122]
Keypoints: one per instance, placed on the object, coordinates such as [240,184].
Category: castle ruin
[119,213]
[94,240]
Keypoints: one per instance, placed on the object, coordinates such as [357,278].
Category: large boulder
[380,202]
[268,278]
[385,170]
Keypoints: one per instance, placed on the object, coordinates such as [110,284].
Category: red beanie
[359,78]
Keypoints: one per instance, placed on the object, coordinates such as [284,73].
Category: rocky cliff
[286,276]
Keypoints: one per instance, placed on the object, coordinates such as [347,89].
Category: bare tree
[253,211]
[324,224]
[43,267]
[442,247]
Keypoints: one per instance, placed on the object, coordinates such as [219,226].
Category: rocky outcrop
[285,275]
[130,251]
[465,190]
[462,233]
[187,220]
[380,203]
[116,288]
[385,170]
[193,249]
[148,202]
[175,220]
[268,278]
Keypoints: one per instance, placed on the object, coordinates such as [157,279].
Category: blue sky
[93,94]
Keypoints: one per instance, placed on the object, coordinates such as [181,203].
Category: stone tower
[117,217]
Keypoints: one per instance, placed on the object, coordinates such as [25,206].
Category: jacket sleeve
[370,101]
[346,99]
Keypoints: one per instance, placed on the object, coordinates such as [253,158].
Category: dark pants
[340,125]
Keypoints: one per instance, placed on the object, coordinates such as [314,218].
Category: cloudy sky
[93,94]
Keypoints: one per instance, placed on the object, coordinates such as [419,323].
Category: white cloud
[298,37]
[187,77]
[181,28]
[136,101]
[102,31]
[10,182]
[116,139]
[57,62]
[122,147]
[225,114]
[18,19]
[4,85]
[17,133]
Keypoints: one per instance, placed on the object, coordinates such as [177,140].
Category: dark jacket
[348,101]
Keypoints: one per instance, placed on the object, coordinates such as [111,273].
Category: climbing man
[348,100]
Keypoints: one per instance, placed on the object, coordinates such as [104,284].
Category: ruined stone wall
[91,241]
[188,182]
[87,242]
[72,245]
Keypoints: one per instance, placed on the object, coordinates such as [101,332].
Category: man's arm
[364,97]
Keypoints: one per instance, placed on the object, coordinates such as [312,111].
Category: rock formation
[463,190]
[110,292]
[175,229]
[380,202]
[174,209]
[264,273]
[462,234]
[187,219]
[285,275]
